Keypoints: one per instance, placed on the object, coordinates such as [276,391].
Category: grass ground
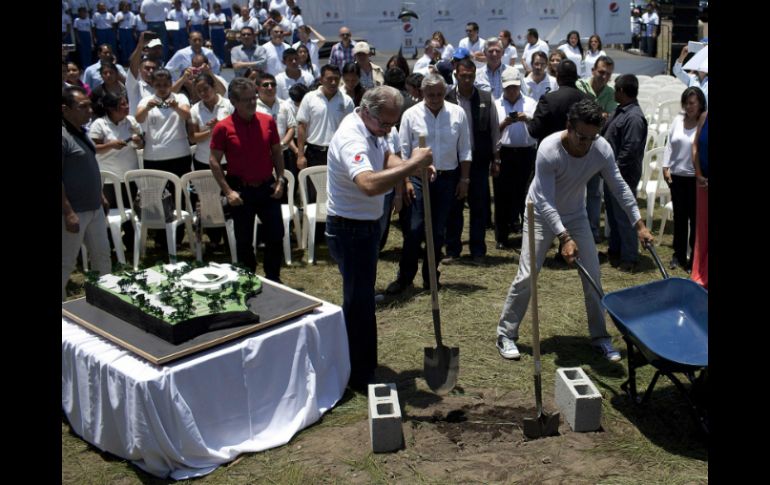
[658,444]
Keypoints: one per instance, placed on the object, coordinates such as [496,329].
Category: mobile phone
[513,115]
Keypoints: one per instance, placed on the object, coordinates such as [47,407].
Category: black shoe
[674,264]
[628,266]
[479,260]
[397,287]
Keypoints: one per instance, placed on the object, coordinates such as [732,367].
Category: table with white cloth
[186,418]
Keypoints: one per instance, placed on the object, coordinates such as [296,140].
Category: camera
[513,115]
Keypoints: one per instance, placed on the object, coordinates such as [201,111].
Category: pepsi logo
[614,7]
[408,27]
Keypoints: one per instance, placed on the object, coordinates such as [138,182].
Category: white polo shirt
[83,25]
[284,83]
[509,54]
[312,48]
[125,20]
[165,130]
[137,89]
[536,90]
[448,134]
[322,116]
[274,52]
[354,150]
[282,114]
[200,115]
[198,17]
[478,46]
[116,161]
[216,22]
[103,20]
[530,49]
[516,134]
[155,10]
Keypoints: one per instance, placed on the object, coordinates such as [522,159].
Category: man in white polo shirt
[274,51]
[319,114]
[474,44]
[361,169]
[534,44]
[182,59]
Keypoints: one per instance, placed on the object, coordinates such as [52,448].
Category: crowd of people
[534,124]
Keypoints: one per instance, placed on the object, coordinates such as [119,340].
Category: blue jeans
[594,204]
[478,202]
[442,193]
[623,237]
[354,246]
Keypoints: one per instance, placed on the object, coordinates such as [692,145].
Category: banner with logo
[378,22]
[613,21]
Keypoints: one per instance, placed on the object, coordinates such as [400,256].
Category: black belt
[446,172]
[317,148]
[349,222]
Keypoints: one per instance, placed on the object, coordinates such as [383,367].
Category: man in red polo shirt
[251,144]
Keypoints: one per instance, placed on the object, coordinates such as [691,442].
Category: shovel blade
[442,365]
[543,425]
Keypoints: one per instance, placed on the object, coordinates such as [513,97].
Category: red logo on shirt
[358,158]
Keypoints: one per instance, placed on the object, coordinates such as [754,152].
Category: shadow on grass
[406,384]
[576,351]
[666,420]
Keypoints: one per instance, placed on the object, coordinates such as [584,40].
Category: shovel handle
[429,248]
[654,253]
[533,287]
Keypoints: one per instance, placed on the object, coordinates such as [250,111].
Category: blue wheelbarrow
[664,324]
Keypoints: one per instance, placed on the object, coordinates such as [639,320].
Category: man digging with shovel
[361,169]
[566,160]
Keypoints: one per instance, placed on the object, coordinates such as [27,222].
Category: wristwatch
[465,181]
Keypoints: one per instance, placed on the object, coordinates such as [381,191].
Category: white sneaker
[604,347]
[507,348]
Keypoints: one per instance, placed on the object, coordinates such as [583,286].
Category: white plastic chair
[315,212]
[643,78]
[667,111]
[117,216]
[655,185]
[151,184]
[289,213]
[203,183]
[668,213]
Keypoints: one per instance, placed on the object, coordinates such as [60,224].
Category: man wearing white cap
[701,77]
[517,157]
[371,74]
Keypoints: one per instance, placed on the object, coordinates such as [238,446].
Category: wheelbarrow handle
[654,253]
[587,276]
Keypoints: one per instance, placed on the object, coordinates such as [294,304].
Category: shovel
[544,424]
[442,363]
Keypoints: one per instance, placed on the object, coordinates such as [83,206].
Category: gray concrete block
[578,399]
[385,430]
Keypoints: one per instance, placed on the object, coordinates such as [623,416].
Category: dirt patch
[462,439]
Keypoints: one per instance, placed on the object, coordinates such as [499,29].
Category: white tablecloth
[188,417]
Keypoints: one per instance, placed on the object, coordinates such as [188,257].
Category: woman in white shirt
[573,49]
[296,21]
[163,117]
[311,45]
[446,49]
[679,173]
[303,61]
[116,136]
[126,21]
[217,21]
[204,115]
[594,52]
[509,50]
[198,19]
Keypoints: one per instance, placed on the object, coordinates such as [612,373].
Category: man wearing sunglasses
[566,160]
[248,54]
[342,51]
[274,49]
[474,44]
[361,170]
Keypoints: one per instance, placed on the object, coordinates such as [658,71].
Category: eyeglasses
[268,84]
[344,35]
[383,126]
[585,138]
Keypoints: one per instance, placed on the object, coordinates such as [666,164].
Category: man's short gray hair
[432,80]
[493,41]
[379,97]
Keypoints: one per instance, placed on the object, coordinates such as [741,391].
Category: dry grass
[658,442]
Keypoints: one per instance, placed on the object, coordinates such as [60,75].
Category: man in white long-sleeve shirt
[565,161]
